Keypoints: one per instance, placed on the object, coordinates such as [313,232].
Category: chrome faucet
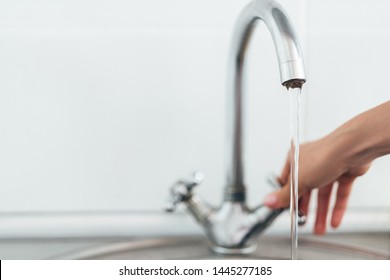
[230,228]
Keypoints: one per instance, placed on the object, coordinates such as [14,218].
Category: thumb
[279,198]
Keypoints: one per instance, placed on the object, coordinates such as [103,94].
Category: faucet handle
[182,190]
[272,179]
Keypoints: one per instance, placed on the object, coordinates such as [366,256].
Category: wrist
[355,145]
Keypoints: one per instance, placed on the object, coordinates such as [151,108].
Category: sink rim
[144,243]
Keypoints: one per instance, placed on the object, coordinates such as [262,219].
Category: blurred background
[105,104]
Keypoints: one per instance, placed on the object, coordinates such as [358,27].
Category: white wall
[104,104]
[347,60]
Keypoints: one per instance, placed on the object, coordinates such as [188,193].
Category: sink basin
[133,236]
[331,246]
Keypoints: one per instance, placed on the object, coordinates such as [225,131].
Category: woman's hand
[335,161]
[320,166]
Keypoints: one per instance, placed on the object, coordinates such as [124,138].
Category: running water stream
[294,167]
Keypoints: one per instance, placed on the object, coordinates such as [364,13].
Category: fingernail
[271,199]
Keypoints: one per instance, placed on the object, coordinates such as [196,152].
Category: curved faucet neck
[291,73]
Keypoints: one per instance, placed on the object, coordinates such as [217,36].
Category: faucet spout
[291,70]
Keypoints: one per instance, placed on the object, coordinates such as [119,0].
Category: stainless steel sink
[332,246]
[364,235]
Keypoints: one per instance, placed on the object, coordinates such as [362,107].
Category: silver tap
[231,226]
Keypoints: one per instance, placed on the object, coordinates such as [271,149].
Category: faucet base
[245,250]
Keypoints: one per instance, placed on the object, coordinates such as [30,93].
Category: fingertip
[335,225]
[319,229]
[320,225]
[336,221]
[278,199]
[271,200]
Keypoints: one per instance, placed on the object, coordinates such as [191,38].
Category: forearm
[366,136]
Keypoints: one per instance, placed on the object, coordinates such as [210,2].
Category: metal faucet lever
[182,190]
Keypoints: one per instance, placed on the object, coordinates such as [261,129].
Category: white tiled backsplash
[104,104]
